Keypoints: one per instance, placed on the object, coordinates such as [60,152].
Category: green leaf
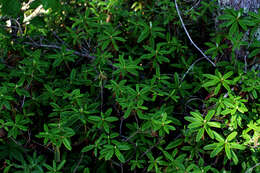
[227,75]
[210,146]
[226,24]
[94,118]
[144,34]
[233,29]
[174,144]
[237,146]
[6,169]
[22,92]
[210,115]
[217,150]
[229,104]
[66,143]
[226,86]
[165,128]
[87,148]
[106,127]
[231,136]
[47,166]
[115,45]
[234,157]
[191,119]
[119,39]
[123,147]
[217,89]
[61,165]
[210,83]
[195,125]
[214,124]
[109,154]
[111,119]
[225,112]
[210,132]
[119,155]
[171,127]
[254,93]
[200,134]
[227,150]
[242,109]
[218,137]
[167,155]
[213,77]
[243,24]
[197,115]
[255,52]
[57,62]
[72,75]
[150,167]
[226,17]
[105,44]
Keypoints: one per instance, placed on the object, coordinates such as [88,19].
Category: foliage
[110,86]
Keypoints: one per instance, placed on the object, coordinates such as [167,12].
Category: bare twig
[187,33]
[122,168]
[59,47]
[251,169]
[115,163]
[149,149]
[17,143]
[197,3]
[190,100]
[19,26]
[245,69]
[27,87]
[58,38]
[23,102]
[190,69]
[79,162]
[134,134]
[226,95]
[101,95]
[121,124]
[45,146]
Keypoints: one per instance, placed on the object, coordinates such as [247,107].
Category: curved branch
[187,33]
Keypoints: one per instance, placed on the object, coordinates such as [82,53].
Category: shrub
[110,86]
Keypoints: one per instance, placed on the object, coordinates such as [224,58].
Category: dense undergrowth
[117,86]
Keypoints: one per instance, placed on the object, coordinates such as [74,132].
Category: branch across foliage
[117,86]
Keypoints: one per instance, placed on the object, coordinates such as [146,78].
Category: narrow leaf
[237,146]
[210,115]
[231,136]
[119,155]
[66,143]
[197,115]
[227,150]
[200,134]
[217,150]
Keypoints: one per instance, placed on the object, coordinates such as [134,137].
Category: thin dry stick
[245,57]
[59,47]
[149,149]
[19,26]
[79,162]
[187,33]
[251,169]
[192,65]
[197,3]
